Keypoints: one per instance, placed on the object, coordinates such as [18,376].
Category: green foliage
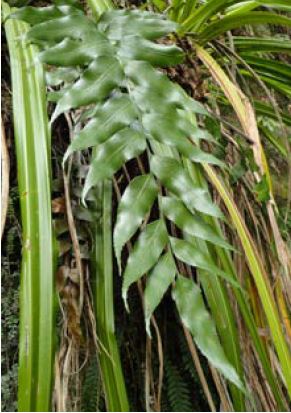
[178,393]
[120,65]
[136,201]
[10,276]
[158,283]
[92,387]
[261,190]
[145,254]
[189,301]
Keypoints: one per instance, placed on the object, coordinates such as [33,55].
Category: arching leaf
[214,29]
[176,179]
[134,204]
[196,318]
[145,254]
[157,284]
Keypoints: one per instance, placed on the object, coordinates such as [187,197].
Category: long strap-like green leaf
[32,141]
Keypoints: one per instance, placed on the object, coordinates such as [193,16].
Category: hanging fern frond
[132,108]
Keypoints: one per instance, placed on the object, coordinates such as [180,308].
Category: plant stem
[111,369]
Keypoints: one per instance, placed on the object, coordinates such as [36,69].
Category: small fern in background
[92,395]
[177,389]
[9,305]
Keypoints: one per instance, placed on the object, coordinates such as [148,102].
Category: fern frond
[177,390]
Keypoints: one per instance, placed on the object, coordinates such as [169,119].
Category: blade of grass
[32,139]
[259,275]
[251,45]
[228,267]
[203,13]
[213,30]
[247,119]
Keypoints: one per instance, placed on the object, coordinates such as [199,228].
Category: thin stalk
[32,139]
[111,369]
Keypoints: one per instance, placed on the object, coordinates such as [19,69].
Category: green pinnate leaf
[71,52]
[145,254]
[173,129]
[158,281]
[71,26]
[138,48]
[191,255]
[102,76]
[133,206]
[113,115]
[191,223]
[177,180]
[148,25]
[33,15]
[112,154]
[194,315]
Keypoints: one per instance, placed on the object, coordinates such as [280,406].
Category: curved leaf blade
[159,280]
[173,129]
[33,15]
[152,88]
[177,180]
[138,48]
[186,252]
[114,115]
[149,26]
[216,28]
[145,254]
[133,206]
[102,76]
[72,52]
[71,26]
[188,298]
[112,154]
[175,211]
[258,44]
